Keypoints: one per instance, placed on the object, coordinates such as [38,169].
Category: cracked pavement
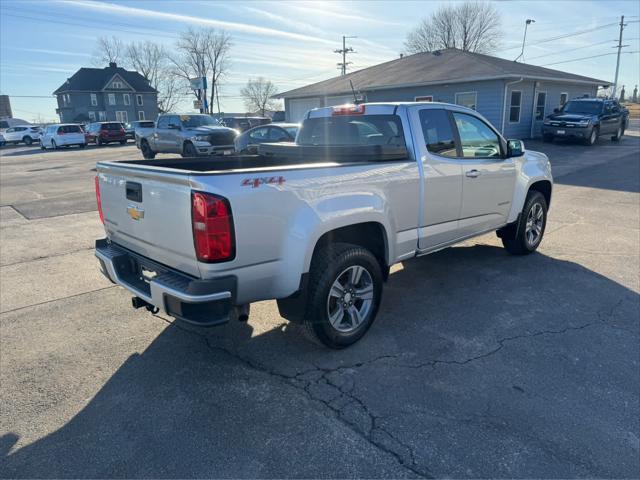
[480,364]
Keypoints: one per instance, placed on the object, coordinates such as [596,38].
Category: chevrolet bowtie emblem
[135,212]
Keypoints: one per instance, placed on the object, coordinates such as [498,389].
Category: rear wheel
[189,150]
[122,142]
[525,235]
[27,140]
[82,145]
[619,134]
[146,150]
[345,289]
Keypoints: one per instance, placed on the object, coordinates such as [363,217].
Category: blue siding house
[514,97]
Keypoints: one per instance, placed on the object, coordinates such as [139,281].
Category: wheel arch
[544,187]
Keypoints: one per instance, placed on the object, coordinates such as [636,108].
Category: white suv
[26,134]
[63,135]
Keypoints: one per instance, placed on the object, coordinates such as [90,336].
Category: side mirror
[515,148]
[556,110]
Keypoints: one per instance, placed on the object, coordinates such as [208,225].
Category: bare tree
[152,62]
[108,50]
[257,95]
[469,26]
[202,53]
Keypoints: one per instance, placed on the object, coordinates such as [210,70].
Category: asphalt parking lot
[480,364]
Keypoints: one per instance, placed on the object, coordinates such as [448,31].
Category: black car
[283,132]
[586,119]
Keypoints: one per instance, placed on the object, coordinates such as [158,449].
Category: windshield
[589,108]
[352,130]
[192,121]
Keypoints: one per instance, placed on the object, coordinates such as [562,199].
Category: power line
[571,49]
[585,58]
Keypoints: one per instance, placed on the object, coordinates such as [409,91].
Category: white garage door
[298,108]
[331,101]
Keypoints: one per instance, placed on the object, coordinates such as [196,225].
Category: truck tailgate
[149,212]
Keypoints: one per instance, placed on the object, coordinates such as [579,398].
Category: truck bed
[278,156]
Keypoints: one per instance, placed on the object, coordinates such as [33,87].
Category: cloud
[52,52]
[175,17]
[288,21]
[333,10]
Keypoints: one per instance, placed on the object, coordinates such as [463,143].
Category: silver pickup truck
[188,135]
[317,224]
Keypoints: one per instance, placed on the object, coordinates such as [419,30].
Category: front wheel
[345,288]
[525,235]
[593,137]
[147,153]
[189,150]
[27,140]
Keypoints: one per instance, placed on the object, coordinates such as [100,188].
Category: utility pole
[619,47]
[524,39]
[344,51]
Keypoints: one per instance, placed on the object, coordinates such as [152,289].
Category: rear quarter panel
[279,221]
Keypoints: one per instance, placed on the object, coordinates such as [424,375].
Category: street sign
[199,83]
[197,104]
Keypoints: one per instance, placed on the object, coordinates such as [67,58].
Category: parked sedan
[282,132]
[106,132]
[26,134]
[62,135]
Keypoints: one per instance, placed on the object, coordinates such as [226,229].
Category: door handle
[472,173]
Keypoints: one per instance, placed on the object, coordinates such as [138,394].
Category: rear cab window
[111,126]
[352,130]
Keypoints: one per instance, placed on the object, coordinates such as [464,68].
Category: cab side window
[437,131]
[163,122]
[259,134]
[476,138]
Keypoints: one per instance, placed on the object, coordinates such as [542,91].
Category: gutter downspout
[533,107]
[504,102]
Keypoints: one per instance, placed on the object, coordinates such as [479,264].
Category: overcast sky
[291,43]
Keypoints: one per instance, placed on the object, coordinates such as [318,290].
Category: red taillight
[348,110]
[98,199]
[212,227]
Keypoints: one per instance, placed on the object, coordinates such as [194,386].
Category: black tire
[82,145]
[189,150]
[593,136]
[547,138]
[123,142]
[147,153]
[42,147]
[515,237]
[328,266]
[619,133]
[27,140]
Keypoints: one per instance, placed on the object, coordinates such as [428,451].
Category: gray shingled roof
[447,66]
[95,79]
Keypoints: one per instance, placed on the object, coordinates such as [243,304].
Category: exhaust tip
[243,312]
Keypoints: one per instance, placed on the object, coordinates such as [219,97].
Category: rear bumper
[200,302]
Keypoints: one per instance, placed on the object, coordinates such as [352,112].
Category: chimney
[401,55]
[113,65]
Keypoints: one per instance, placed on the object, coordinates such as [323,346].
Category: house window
[541,100]
[426,98]
[139,100]
[94,100]
[92,116]
[563,98]
[141,115]
[112,99]
[102,116]
[514,107]
[467,99]
[66,99]
[127,98]
[122,117]
[116,85]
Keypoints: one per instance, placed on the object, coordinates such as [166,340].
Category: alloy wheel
[535,223]
[350,299]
